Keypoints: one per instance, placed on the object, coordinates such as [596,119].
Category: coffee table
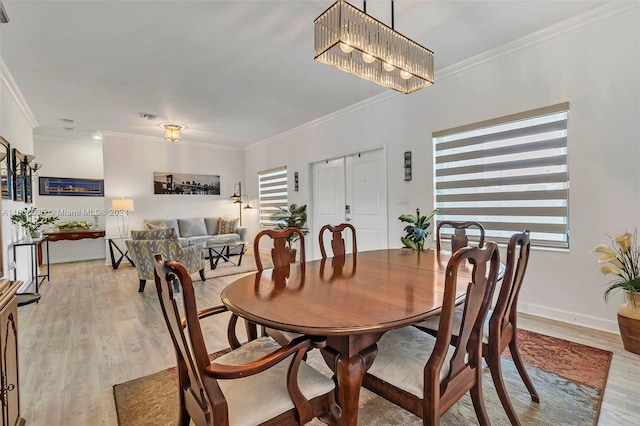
[221,250]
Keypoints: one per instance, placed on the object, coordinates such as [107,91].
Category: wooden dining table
[351,300]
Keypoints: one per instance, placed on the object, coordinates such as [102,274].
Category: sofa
[202,231]
[143,245]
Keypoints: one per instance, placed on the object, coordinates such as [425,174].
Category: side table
[221,250]
[34,245]
[115,263]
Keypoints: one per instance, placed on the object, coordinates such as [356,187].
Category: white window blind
[509,174]
[272,186]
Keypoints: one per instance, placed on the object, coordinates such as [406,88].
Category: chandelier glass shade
[348,39]
[172,132]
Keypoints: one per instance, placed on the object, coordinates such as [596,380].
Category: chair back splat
[338,245]
[279,253]
[459,238]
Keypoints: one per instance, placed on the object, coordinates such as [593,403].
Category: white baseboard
[74,259]
[570,317]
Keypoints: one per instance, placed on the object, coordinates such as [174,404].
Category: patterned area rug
[569,378]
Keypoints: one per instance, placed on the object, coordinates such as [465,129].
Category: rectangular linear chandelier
[349,39]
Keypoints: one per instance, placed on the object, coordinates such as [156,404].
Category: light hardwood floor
[92,329]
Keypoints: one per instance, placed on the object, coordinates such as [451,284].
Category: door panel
[366,194]
[328,199]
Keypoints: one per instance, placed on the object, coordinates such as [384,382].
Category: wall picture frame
[185,183]
[77,187]
[6,173]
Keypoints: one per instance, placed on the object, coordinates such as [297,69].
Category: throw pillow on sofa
[227,226]
[153,227]
[192,227]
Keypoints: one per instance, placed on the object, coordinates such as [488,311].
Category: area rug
[569,378]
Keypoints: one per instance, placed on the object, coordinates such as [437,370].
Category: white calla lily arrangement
[621,259]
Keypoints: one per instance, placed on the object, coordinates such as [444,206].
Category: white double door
[351,189]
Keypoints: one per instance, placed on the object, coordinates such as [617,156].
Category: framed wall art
[71,186]
[184,183]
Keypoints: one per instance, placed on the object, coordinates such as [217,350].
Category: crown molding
[595,15]
[62,139]
[603,12]
[325,118]
[8,79]
[161,139]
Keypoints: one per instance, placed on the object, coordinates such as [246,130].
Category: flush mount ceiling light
[172,132]
[349,39]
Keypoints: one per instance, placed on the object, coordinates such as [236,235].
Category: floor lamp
[238,197]
[121,207]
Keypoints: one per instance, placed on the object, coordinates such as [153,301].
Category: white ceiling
[234,72]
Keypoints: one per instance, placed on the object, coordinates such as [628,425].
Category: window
[509,174]
[272,187]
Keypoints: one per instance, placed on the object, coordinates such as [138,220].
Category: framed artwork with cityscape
[185,183]
[71,186]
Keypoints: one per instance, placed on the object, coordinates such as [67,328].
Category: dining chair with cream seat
[459,238]
[426,375]
[338,245]
[257,383]
[281,264]
[500,327]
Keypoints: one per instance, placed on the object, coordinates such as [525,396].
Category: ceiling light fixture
[348,39]
[172,132]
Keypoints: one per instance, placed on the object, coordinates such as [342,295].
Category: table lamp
[121,208]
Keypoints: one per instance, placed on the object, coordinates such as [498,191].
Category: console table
[115,263]
[70,235]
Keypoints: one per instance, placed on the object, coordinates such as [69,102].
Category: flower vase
[629,322]
[27,238]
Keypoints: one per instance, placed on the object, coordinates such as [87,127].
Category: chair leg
[496,374]
[202,274]
[517,360]
[141,288]
[478,400]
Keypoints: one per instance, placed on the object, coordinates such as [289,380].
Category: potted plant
[292,217]
[622,259]
[31,220]
[417,229]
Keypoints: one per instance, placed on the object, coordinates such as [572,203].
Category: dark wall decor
[407,165]
[185,183]
[17,167]
[6,181]
[71,186]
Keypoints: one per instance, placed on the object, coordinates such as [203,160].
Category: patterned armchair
[143,245]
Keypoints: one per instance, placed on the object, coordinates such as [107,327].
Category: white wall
[77,158]
[16,127]
[594,66]
[129,163]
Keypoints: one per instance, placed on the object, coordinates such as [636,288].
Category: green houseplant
[293,216]
[622,259]
[417,229]
[32,219]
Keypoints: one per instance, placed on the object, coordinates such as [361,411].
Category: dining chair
[257,383]
[281,266]
[338,245]
[459,238]
[500,328]
[426,375]
[280,251]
